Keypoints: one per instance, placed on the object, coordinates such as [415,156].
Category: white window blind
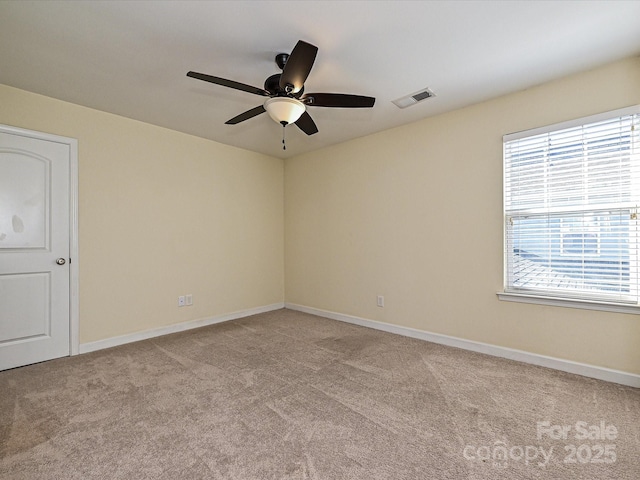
[571,202]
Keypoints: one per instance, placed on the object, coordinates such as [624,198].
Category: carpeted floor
[286,395]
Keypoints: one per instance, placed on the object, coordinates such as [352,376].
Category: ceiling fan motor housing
[272,84]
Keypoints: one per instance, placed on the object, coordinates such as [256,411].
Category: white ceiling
[131,58]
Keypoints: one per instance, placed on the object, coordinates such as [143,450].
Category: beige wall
[163,214]
[415,214]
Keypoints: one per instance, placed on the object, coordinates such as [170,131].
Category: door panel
[23,211]
[34,234]
[25,300]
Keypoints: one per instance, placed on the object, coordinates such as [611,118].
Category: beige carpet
[286,395]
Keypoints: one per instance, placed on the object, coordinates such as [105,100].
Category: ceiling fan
[287,102]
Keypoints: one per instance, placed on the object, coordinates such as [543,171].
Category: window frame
[549,297]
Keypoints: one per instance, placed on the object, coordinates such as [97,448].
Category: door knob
[61,261]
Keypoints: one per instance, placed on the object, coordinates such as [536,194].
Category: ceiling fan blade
[298,66]
[339,100]
[246,115]
[229,83]
[306,124]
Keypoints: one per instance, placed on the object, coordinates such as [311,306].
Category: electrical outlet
[380,301]
[181,301]
[189,300]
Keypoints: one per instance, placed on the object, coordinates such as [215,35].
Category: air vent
[414,98]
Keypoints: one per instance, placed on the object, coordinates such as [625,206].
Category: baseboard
[177,327]
[586,370]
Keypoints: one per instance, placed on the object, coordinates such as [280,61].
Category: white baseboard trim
[586,370]
[177,327]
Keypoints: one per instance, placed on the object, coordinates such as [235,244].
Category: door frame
[74,300]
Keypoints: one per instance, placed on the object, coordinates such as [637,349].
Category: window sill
[569,302]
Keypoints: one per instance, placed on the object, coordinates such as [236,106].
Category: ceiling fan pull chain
[284,145]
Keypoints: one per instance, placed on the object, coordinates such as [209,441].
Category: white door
[34,249]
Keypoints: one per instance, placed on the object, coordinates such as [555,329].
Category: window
[580,237]
[571,199]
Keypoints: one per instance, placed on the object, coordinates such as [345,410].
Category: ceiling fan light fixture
[284,110]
